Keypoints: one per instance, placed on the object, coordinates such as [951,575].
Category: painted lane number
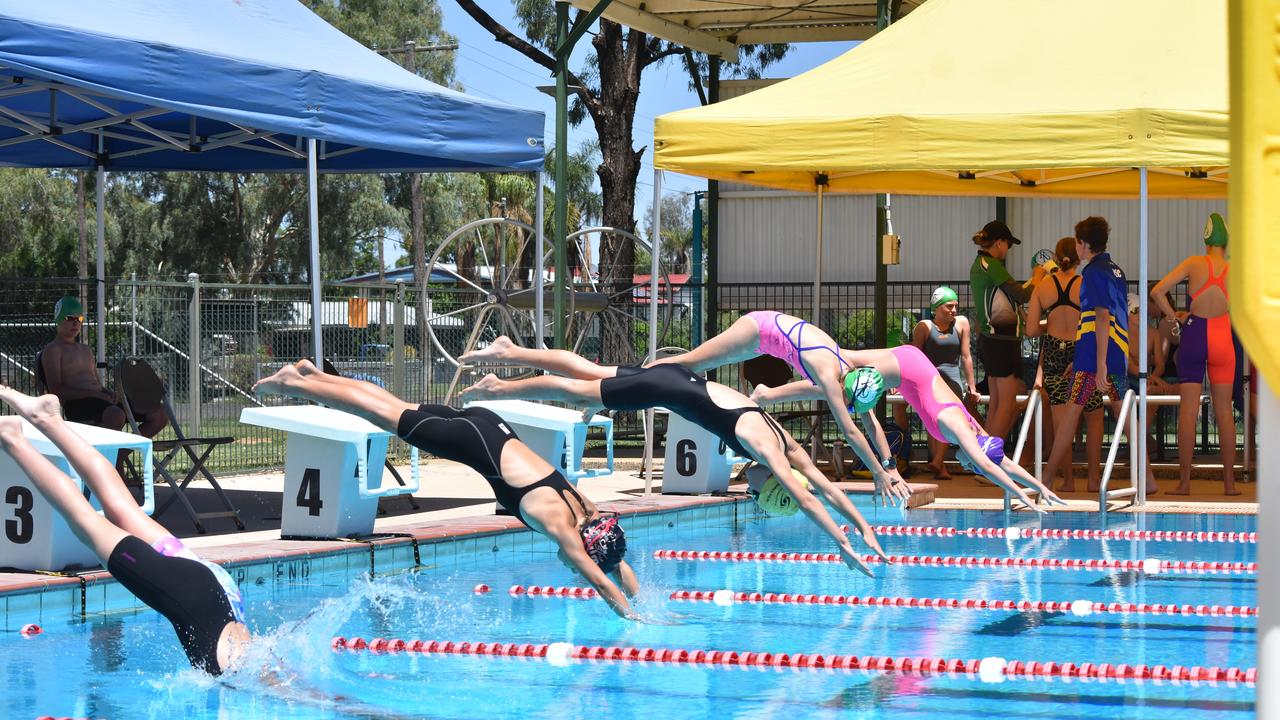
[309,492]
[687,457]
[20,529]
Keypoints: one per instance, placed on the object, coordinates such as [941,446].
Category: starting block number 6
[695,459]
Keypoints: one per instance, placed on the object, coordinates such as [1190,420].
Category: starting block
[696,461]
[332,470]
[558,435]
[34,536]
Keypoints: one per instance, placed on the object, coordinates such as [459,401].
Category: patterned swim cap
[771,496]
[1215,231]
[605,542]
[863,388]
[942,296]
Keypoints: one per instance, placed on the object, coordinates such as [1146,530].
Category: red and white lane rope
[1075,607]
[1150,565]
[1015,533]
[990,669]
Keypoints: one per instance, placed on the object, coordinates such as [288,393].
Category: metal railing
[1127,413]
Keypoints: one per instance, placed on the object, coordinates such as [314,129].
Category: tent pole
[561,209]
[1268,480]
[540,244]
[817,254]
[712,307]
[100,262]
[1143,298]
[655,247]
[313,217]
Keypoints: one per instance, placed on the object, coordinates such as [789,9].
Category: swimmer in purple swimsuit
[816,356]
[944,416]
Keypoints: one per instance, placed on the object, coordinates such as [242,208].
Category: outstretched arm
[575,556]
[1016,472]
[891,483]
[799,459]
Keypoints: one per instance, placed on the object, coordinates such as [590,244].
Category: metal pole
[193,355]
[655,247]
[313,216]
[821,182]
[133,314]
[100,263]
[539,252]
[713,225]
[561,211]
[397,344]
[1140,442]
[1268,632]
[695,324]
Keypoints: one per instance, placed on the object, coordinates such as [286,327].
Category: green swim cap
[942,296]
[863,388]
[774,499]
[66,307]
[1215,231]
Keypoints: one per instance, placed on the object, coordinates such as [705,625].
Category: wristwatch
[889,463]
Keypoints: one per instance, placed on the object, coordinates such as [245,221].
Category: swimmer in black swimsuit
[198,597]
[590,543]
[732,416]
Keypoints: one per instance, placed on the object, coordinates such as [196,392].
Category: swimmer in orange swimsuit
[1206,348]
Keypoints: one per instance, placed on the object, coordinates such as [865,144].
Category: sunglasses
[76,318]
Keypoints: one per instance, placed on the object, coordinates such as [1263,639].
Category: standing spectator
[945,342]
[997,312]
[1054,312]
[1206,347]
[1102,342]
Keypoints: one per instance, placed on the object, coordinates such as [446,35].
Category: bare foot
[1181,489]
[495,352]
[305,367]
[487,388]
[35,409]
[10,430]
[1067,487]
[1229,489]
[280,383]
[939,472]
[1153,489]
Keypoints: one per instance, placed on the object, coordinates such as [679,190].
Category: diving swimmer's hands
[852,560]
[891,487]
[1051,497]
[874,543]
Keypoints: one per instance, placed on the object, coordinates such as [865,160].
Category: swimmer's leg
[740,342]
[360,398]
[1225,416]
[547,387]
[560,362]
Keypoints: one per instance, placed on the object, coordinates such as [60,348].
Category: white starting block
[697,461]
[332,470]
[558,435]
[34,536]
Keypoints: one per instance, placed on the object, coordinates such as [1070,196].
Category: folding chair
[329,369]
[142,393]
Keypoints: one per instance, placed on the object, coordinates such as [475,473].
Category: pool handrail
[1126,405]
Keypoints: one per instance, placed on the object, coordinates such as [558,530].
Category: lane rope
[1075,607]
[1149,566]
[989,669]
[1016,533]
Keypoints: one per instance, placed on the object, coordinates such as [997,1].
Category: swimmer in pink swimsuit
[816,356]
[947,420]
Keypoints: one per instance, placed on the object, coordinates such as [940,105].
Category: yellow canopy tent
[1034,98]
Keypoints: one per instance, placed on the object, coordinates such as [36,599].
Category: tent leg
[313,216]
[100,264]
[1140,442]
[821,185]
[1268,569]
[655,247]
[540,244]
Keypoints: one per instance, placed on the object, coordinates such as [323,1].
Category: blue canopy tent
[231,85]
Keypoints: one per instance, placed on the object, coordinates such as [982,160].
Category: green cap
[1215,231]
[66,307]
[863,388]
[942,296]
[774,499]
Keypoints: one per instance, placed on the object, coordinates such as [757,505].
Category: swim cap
[771,496]
[993,447]
[605,542]
[863,388]
[1215,231]
[66,307]
[942,296]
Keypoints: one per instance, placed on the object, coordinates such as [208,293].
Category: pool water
[124,665]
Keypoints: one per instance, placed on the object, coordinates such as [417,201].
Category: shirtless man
[71,373]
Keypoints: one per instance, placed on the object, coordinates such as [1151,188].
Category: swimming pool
[122,665]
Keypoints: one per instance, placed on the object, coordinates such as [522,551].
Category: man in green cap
[71,373]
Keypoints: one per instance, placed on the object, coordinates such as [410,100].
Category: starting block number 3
[19,528]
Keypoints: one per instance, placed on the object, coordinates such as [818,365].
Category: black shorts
[86,410]
[184,591]
[1000,356]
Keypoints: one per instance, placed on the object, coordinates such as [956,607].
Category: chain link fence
[210,342]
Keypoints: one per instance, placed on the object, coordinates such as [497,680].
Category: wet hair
[1094,232]
[1065,253]
[605,542]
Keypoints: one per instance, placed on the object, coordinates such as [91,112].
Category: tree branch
[659,56]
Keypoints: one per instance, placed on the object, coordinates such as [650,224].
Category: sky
[489,69]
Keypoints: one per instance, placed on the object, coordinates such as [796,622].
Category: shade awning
[217,85]
[987,97]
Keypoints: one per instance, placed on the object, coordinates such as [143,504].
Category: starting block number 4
[696,461]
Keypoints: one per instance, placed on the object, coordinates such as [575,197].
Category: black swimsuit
[678,389]
[475,437]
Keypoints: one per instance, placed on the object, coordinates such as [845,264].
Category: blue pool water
[125,665]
